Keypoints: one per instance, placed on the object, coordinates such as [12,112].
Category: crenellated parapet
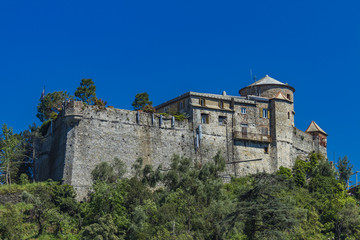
[254,133]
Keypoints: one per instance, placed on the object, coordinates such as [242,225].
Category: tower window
[266,150]
[204,118]
[222,120]
[244,131]
[288,115]
[264,113]
[243,110]
[202,101]
[288,96]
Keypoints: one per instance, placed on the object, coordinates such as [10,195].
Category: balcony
[252,137]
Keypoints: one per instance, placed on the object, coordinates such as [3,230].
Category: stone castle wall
[83,137]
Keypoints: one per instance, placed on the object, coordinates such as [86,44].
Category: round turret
[268,87]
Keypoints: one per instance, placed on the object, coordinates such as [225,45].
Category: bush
[24,179]
[149,109]
[100,104]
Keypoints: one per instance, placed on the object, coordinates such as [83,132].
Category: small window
[266,150]
[181,105]
[265,113]
[202,101]
[166,109]
[222,120]
[288,115]
[221,104]
[243,110]
[288,96]
[204,118]
[244,131]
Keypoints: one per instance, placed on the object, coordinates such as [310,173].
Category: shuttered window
[264,113]
[204,118]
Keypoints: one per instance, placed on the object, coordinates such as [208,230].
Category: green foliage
[45,127]
[24,179]
[188,200]
[303,170]
[51,105]
[11,154]
[103,228]
[299,172]
[109,199]
[284,172]
[181,116]
[86,92]
[31,140]
[267,214]
[104,172]
[100,104]
[141,101]
[12,222]
[149,109]
[345,169]
[15,188]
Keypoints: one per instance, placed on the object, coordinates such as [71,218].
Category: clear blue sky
[170,47]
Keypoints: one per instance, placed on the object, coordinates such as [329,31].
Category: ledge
[252,137]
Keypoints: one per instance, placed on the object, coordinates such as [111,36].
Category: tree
[347,221]
[141,101]
[104,172]
[50,105]
[86,92]
[103,228]
[345,169]
[11,150]
[32,137]
[263,213]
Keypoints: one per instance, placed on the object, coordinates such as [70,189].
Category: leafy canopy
[50,106]
[141,101]
[11,153]
[86,92]
[345,169]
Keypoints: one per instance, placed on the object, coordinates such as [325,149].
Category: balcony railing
[251,137]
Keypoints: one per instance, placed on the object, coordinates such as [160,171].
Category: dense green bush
[188,200]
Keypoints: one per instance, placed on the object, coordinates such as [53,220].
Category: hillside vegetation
[188,200]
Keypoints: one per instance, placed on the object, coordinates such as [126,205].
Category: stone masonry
[254,132]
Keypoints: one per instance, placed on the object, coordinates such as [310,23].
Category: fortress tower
[282,116]
[254,132]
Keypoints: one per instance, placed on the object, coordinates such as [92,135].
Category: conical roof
[267,80]
[264,84]
[281,96]
[313,127]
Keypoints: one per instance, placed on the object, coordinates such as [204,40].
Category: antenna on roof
[253,78]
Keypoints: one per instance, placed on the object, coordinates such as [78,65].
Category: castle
[254,132]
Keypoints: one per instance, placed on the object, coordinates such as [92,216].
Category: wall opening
[205,118]
[222,120]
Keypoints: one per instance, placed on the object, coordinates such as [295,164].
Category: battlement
[252,133]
